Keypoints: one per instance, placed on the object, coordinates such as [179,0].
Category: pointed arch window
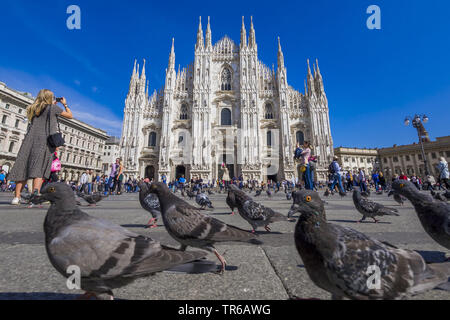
[225,117]
[225,79]
[152,139]
[300,137]
[184,112]
[269,138]
[268,114]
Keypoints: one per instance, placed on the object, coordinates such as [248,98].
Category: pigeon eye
[51,189]
[308,198]
[401,185]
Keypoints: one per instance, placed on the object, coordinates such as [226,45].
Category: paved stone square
[273,270]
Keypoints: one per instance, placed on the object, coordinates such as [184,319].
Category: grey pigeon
[258,192]
[327,193]
[149,201]
[398,198]
[210,192]
[107,255]
[203,200]
[288,195]
[434,215]
[191,227]
[92,199]
[190,194]
[254,213]
[371,209]
[298,198]
[343,261]
[231,201]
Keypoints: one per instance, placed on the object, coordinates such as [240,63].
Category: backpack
[331,168]
[298,153]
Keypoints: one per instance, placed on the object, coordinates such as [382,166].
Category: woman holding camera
[34,159]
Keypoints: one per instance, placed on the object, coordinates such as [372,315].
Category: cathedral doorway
[272,177]
[230,166]
[150,172]
[179,171]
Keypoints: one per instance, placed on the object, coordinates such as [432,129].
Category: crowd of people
[37,163]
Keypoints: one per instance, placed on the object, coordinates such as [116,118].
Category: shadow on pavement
[432,256]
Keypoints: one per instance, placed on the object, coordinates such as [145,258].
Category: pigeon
[210,192]
[288,195]
[254,213]
[191,227]
[298,196]
[107,255]
[92,199]
[342,194]
[327,193]
[371,209]
[398,198]
[365,194]
[149,201]
[258,192]
[447,194]
[231,202]
[434,215]
[203,200]
[439,196]
[344,261]
[190,194]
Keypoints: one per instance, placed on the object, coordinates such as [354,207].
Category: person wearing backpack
[335,171]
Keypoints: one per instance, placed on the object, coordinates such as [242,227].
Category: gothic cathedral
[226,107]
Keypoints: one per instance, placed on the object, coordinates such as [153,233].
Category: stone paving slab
[273,270]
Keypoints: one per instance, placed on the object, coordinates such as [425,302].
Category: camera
[58,99]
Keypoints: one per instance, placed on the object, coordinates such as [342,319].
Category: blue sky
[373,78]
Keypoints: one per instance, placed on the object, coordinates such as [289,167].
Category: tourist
[120,177]
[335,170]
[307,177]
[113,175]
[2,180]
[34,159]
[443,174]
[362,180]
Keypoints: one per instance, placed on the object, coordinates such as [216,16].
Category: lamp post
[417,122]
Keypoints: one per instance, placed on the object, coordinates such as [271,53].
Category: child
[298,151]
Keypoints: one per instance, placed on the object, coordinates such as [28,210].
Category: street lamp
[417,122]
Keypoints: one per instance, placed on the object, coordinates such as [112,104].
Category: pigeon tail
[436,276]
[389,212]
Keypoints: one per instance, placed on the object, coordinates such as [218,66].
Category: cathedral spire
[310,80]
[172,55]
[133,76]
[280,55]
[208,35]
[200,42]
[251,37]
[243,34]
[143,71]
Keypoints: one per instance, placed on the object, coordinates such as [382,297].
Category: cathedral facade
[225,108]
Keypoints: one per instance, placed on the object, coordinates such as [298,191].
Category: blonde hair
[44,98]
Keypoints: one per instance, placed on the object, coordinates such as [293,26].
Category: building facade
[110,154]
[84,143]
[352,159]
[225,107]
[408,158]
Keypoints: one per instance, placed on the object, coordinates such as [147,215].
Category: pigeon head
[57,192]
[143,186]
[309,202]
[158,187]
[409,190]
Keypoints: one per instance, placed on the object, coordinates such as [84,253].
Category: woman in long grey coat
[34,159]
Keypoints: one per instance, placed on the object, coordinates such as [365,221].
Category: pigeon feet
[222,261]
[232,213]
[267,228]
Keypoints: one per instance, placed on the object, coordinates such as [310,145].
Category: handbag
[54,140]
[56,165]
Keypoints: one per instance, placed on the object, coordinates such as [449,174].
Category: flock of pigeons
[336,258]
